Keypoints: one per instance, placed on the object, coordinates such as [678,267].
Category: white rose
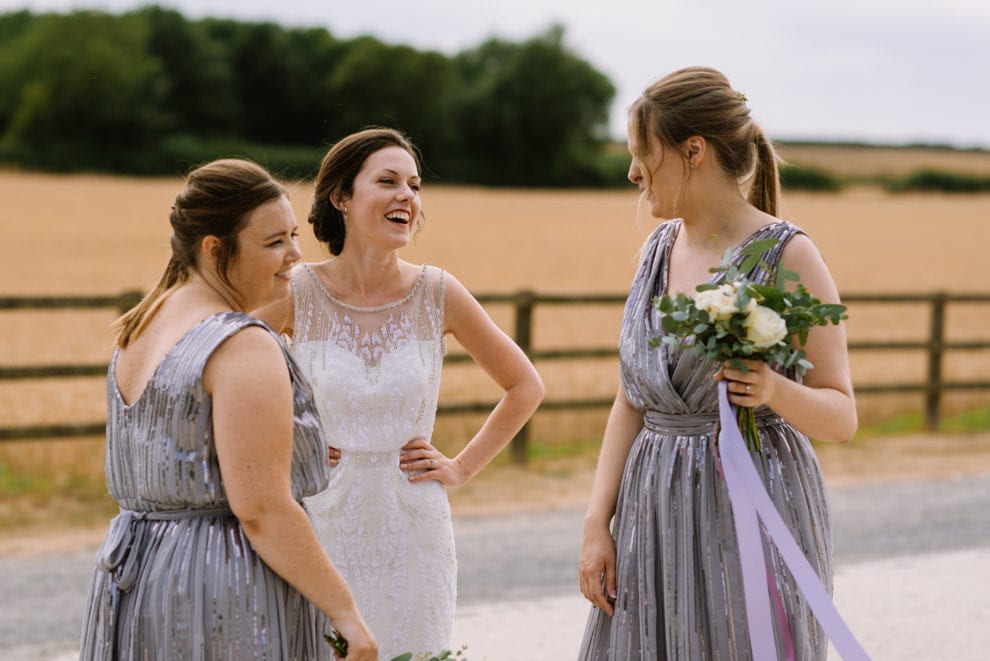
[764,327]
[719,303]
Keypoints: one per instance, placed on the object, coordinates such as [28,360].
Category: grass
[39,483]
[27,498]
[976,420]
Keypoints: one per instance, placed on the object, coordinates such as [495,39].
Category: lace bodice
[379,367]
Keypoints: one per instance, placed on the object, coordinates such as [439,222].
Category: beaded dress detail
[375,372]
[680,593]
[176,576]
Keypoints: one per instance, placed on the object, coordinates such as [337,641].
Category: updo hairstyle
[336,179]
[217,200]
[699,101]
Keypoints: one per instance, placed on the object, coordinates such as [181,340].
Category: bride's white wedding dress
[375,374]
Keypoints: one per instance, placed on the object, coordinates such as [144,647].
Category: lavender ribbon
[750,506]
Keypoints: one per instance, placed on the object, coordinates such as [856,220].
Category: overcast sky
[890,71]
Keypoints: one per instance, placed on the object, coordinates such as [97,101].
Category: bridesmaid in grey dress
[213,439]
[665,579]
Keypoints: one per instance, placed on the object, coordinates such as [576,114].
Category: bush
[936,180]
[179,154]
[795,177]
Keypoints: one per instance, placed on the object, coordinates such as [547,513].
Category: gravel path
[532,557]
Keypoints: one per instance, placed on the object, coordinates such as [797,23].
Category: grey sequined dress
[176,576]
[680,593]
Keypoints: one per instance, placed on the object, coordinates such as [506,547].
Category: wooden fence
[524,304]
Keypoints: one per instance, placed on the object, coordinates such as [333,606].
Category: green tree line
[152,92]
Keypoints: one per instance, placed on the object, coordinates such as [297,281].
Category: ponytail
[700,101]
[764,192]
[130,324]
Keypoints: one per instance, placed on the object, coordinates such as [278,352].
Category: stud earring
[692,164]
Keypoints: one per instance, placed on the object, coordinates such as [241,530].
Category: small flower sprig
[741,319]
[445,655]
[339,645]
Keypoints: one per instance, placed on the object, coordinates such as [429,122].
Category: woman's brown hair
[699,101]
[216,202]
[336,179]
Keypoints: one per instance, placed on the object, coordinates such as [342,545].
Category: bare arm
[252,421]
[823,407]
[507,365]
[597,546]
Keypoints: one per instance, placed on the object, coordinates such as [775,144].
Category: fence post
[524,338]
[933,395]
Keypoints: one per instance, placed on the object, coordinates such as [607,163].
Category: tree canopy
[152,92]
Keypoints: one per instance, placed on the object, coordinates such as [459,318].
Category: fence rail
[524,304]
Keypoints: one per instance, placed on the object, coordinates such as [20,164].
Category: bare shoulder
[251,354]
[460,305]
[802,256]
[457,295]
[280,314]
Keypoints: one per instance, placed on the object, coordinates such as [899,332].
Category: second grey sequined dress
[176,576]
[680,592]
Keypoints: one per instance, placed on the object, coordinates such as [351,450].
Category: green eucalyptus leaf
[758,247]
[788,275]
[750,263]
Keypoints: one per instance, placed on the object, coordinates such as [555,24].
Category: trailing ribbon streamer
[750,506]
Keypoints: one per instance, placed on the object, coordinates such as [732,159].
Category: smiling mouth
[399,217]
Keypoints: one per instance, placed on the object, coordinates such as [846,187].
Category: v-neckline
[158,367]
[668,248]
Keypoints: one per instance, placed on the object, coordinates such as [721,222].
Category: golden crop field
[86,234]
[885,161]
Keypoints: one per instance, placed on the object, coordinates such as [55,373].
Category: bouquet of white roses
[740,319]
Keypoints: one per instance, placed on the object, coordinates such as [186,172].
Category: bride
[368,330]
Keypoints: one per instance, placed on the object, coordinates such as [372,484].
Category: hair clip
[741,97]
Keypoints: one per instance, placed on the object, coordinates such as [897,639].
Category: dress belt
[680,424]
[120,553]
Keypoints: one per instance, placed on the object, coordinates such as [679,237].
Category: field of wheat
[873,162]
[84,234]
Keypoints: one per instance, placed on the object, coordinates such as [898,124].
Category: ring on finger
[431,464]
[748,387]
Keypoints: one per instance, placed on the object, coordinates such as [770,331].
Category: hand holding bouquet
[740,319]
